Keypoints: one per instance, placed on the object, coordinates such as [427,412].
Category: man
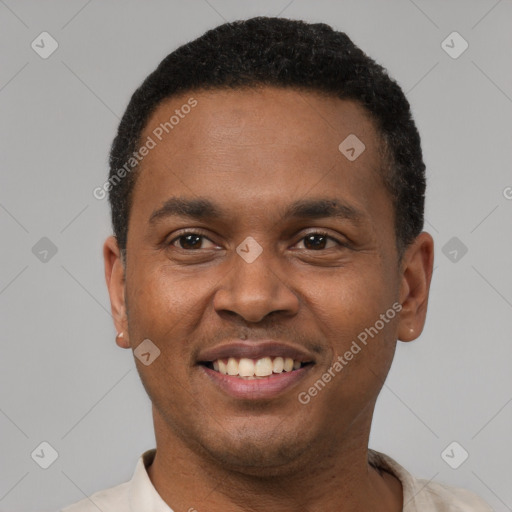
[267,191]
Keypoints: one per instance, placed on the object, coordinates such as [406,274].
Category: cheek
[347,307]
[163,307]
[159,290]
[162,310]
[352,296]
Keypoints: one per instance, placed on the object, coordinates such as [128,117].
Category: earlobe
[121,341]
[417,265]
[115,279]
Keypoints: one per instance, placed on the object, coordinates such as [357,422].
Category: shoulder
[450,499]
[106,500]
[119,497]
[425,495]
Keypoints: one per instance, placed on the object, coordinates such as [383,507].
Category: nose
[254,290]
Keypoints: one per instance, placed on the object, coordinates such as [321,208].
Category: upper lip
[254,350]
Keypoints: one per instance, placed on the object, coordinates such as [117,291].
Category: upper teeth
[263,367]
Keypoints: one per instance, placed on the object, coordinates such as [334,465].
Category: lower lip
[257,389]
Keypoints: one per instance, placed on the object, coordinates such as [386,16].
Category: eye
[317,241]
[189,240]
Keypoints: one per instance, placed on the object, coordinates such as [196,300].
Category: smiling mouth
[249,369]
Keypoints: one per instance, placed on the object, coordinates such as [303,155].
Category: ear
[115,278]
[417,264]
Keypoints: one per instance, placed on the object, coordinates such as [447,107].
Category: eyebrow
[204,209]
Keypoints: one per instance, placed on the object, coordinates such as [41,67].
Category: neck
[337,478]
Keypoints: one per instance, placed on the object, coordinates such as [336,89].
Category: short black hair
[280,52]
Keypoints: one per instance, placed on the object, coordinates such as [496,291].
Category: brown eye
[189,241]
[318,241]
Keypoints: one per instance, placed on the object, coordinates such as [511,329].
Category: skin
[253,152]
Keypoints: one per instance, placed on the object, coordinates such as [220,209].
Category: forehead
[264,115]
[266,145]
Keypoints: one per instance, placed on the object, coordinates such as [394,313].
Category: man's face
[197,285]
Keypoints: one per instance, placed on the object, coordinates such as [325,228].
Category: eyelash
[199,233]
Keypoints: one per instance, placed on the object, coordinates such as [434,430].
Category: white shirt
[139,495]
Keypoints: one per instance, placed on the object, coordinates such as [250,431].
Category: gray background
[62,378]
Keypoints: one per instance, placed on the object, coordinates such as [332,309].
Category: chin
[257,453]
